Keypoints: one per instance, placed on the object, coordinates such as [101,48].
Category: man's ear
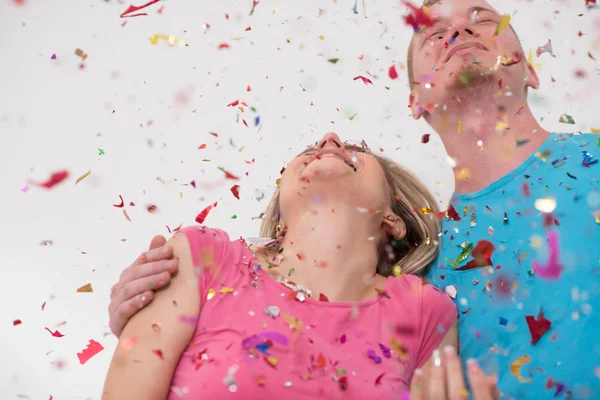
[394,226]
[532,79]
[415,105]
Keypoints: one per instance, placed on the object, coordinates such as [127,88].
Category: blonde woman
[327,308]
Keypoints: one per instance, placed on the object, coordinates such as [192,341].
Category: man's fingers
[139,286]
[125,310]
[157,241]
[454,375]
[416,386]
[479,384]
[436,384]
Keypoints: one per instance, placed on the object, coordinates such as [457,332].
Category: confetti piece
[211,293]
[188,319]
[399,348]
[132,9]
[272,311]
[170,39]
[17,322]
[566,119]
[482,253]
[322,297]
[379,378]
[235,190]
[293,323]
[515,367]
[387,353]
[55,179]
[333,60]
[204,213]
[82,177]
[128,343]
[417,17]
[365,80]
[81,54]
[53,56]
[159,353]
[588,159]
[425,138]
[553,268]
[25,189]
[547,48]
[87,288]
[537,326]
[373,356]
[122,204]
[462,256]
[343,339]
[392,72]
[503,24]
[91,350]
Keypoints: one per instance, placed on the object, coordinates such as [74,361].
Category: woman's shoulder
[415,288]
[212,244]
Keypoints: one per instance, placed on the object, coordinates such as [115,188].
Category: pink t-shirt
[254,339]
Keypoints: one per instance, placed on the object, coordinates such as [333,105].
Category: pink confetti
[55,333]
[365,80]
[90,351]
[392,72]
[204,213]
[25,189]
[132,9]
[553,268]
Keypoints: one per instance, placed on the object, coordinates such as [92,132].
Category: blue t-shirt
[524,257]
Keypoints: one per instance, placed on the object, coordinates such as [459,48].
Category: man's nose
[330,139]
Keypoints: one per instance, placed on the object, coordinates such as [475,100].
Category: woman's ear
[394,226]
[280,230]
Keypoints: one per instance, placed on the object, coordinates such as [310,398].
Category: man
[520,246]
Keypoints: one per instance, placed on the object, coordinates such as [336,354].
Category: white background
[150,108]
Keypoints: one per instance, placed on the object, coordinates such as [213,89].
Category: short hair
[409,58]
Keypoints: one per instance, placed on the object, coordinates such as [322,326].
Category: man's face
[459,55]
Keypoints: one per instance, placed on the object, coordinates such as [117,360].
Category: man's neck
[487,138]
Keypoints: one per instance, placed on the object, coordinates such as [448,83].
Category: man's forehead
[446,8]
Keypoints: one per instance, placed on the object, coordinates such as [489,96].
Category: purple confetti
[387,353]
[343,339]
[374,357]
[262,337]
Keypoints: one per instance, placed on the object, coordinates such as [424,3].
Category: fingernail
[472,365]
[450,352]
[437,361]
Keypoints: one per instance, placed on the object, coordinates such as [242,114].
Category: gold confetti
[397,271]
[210,294]
[226,290]
[399,348]
[82,177]
[515,367]
[272,361]
[293,322]
[170,39]
[425,210]
[530,60]
[81,53]
[87,288]
[459,126]
[503,24]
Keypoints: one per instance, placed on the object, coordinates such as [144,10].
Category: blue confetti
[503,321]
[588,159]
[256,121]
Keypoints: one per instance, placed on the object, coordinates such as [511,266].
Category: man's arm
[154,339]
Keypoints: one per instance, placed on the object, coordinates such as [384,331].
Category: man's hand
[135,289]
[444,380]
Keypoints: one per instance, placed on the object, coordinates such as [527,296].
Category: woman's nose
[330,139]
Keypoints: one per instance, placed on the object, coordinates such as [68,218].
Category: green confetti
[522,142]
[291,272]
[234,216]
[462,256]
[100,152]
[333,60]
[598,142]
[566,119]
[341,371]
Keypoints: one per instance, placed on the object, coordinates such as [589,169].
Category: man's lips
[463,46]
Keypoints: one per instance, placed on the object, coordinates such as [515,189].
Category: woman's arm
[155,338]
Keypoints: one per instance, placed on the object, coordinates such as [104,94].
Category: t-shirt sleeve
[208,247]
[438,313]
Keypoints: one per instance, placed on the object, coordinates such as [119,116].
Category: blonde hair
[412,202]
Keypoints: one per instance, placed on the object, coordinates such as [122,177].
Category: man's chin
[470,78]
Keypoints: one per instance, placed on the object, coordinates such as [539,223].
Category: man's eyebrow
[470,11]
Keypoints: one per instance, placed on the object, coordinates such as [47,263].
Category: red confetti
[204,213]
[235,189]
[159,353]
[232,104]
[482,256]
[132,9]
[229,175]
[392,72]
[322,297]
[537,326]
[587,2]
[417,17]
[120,205]
[17,322]
[321,361]
[202,146]
[526,190]
[90,351]
[425,138]
[55,179]
[378,380]
[55,333]
[223,46]
[452,213]
[365,80]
